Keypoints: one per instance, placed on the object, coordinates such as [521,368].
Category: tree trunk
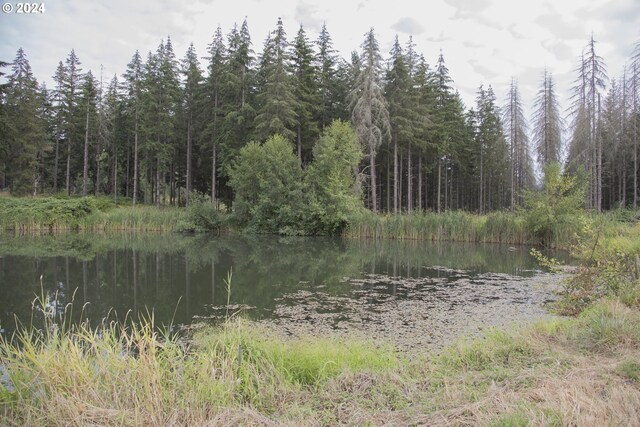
[85,168]
[299,144]
[395,176]
[409,182]
[158,182]
[68,183]
[55,167]
[388,176]
[135,162]
[420,183]
[439,182]
[599,164]
[188,199]
[372,172]
[115,172]
[213,176]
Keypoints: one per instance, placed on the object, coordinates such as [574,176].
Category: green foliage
[332,179]
[274,195]
[201,215]
[629,369]
[270,196]
[546,262]
[458,226]
[556,213]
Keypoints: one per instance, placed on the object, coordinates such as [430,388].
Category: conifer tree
[521,174]
[24,125]
[133,93]
[191,96]
[214,102]
[88,102]
[369,110]
[276,100]
[71,110]
[306,94]
[547,123]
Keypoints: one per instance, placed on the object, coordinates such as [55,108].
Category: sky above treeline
[483,41]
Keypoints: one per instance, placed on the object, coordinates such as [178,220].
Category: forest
[171,129]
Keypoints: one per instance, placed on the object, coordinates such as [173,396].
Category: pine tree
[276,100]
[521,175]
[398,96]
[133,89]
[547,123]
[25,127]
[88,101]
[586,148]
[237,84]
[332,82]
[306,94]
[191,96]
[214,102]
[369,110]
[71,110]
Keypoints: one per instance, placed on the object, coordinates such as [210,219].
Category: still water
[299,284]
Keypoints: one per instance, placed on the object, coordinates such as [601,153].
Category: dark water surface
[308,283]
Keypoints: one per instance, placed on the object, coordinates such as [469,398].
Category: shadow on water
[181,277]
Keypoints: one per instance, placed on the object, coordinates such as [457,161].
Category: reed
[459,226]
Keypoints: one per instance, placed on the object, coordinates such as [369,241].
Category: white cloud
[483,40]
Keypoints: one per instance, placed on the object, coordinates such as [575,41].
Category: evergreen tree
[397,93]
[133,79]
[239,111]
[332,85]
[494,162]
[586,148]
[369,110]
[276,99]
[88,103]
[71,109]
[521,175]
[306,94]
[547,123]
[25,127]
[191,95]
[214,102]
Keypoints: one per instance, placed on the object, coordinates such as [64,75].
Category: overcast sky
[483,41]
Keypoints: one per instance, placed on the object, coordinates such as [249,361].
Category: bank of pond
[167,328]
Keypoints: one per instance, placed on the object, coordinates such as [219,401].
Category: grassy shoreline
[582,370]
[100,214]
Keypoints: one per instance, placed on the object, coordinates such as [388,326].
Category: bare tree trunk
[213,176]
[395,176]
[115,172]
[599,165]
[409,182]
[158,182]
[55,167]
[299,143]
[481,192]
[85,169]
[388,176]
[420,183]
[68,184]
[372,172]
[188,199]
[135,161]
[635,138]
[439,182]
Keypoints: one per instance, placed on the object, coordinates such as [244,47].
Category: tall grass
[85,213]
[496,227]
[245,374]
[132,375]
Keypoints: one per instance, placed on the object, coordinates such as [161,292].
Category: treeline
[168,128]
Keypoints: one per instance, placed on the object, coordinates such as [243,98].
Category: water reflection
[178,277]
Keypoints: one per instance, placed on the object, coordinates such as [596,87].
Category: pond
[411,292]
